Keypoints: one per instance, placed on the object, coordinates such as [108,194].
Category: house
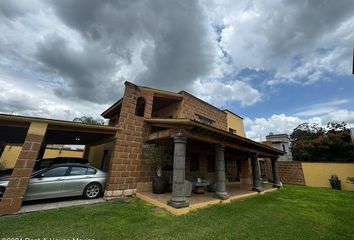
[281,142]
[202,135]
[206,141]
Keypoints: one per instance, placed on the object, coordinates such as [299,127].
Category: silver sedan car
[63,180]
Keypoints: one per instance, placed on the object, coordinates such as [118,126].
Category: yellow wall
[52,153]
[317,174]
[171,110]
[235,122]
[95,155]
[11,153]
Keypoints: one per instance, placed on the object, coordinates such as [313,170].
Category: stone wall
[127,167]
[192,105]
[289,172]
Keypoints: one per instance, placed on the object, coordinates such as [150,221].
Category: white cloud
[219,93]
[300,41]
[258,128]
[32,100]
[322,108]
[74,56]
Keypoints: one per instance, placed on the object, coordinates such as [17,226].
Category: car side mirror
[40,176]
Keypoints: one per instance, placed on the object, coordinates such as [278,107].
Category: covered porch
[226,163]
[197,201]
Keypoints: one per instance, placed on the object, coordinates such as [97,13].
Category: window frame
[43,174]
[71,169]
[194,163]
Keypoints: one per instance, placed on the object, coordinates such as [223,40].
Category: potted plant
[159,155]
[335,182]
[350,179]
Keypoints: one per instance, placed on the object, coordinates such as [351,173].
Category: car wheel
[93,190]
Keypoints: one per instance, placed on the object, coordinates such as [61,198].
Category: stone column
[178,199]
[255,173]
[17,186]
[275,170]
[220,173]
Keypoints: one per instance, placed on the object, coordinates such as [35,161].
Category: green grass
[292,213]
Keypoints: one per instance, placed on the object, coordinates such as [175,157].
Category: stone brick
[192,105]
[27,155]
[21,172]
[289,172]
[128,192]
[117,193]
[34,138]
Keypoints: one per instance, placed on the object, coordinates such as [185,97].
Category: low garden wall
[317,174]
[289,172]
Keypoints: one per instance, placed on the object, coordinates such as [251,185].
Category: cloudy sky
[277,63]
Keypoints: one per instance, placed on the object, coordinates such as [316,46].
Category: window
[56,172]
[284,149]
[91,171]
[211,163]
[204,120]
[194,163]
[140,107]
[232,131]
[76,171]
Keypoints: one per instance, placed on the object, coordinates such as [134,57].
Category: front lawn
[292,213]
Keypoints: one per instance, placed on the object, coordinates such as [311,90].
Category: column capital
[219,147]
[252,154]
[179,138]
[274,158]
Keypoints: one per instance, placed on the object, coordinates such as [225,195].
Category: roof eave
[184,121]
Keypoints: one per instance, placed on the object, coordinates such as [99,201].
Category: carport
[35,134]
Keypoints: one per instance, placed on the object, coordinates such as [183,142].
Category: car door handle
[59,179]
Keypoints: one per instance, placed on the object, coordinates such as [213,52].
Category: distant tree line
[89,120]
[311,142]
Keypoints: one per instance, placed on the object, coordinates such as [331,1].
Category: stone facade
[192,106]
[289,172]
[127,167]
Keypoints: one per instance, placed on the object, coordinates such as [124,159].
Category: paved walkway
[197,201]
[35,206]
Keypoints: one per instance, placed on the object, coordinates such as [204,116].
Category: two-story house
[206,140]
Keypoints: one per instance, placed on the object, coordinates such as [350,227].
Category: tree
[159,155]
[302,140]
[310,142]
[89,120]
